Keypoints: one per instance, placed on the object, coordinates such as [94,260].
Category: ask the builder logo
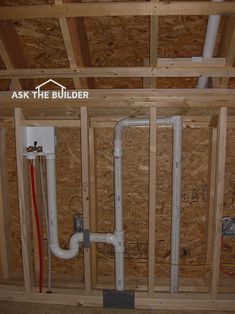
[61,93]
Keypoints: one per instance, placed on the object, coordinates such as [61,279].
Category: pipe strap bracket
[86,239]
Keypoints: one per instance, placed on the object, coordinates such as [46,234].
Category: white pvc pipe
[209,43]
[176,204]
[52,214]
[176,121]
[53,224]
[117,239]
[119,255]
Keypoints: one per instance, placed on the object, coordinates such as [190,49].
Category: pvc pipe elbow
[177,122]
[122,123]
[75,239]
[118,128]
[64,254]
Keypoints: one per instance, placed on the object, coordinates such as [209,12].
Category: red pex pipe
[37,226]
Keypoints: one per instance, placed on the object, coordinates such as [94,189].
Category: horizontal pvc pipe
[138,122]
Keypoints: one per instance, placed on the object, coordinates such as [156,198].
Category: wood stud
[85,193]
[23,205]
[152,201]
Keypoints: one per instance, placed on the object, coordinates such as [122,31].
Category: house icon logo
[38,88]
[61,93]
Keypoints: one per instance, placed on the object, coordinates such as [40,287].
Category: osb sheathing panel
[43,46]
[13,208]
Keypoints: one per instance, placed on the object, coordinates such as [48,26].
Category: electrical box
[44,137]
[228,226]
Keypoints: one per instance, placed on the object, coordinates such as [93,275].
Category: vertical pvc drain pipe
[119,256]
[176,204]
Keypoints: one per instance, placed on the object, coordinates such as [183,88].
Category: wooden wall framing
[93,114]
[151,299]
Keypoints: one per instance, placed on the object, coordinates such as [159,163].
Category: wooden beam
[23,206]
[68,45]
[153,45]
[108,122]
[5,52]
[219,198]
[80,46]
[56,123]
[185,99]
[5,251]
[227,46]
[152,201]
[9,44]
[85,194]
[164,302]
[116,9]
[191,71]
[76,45]
[211,198]
[202,121]
[146,80]
[92,168]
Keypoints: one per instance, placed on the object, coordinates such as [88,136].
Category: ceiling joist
[198,71]
[134,98]
[76,45]
[153,51]
[117,9]
[227,47]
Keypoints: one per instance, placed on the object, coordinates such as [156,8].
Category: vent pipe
[209,43]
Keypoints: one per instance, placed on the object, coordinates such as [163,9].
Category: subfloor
[33,308]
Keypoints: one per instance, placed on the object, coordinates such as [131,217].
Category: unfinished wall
[68,167]
[135,182]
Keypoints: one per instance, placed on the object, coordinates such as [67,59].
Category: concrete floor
[33,308]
